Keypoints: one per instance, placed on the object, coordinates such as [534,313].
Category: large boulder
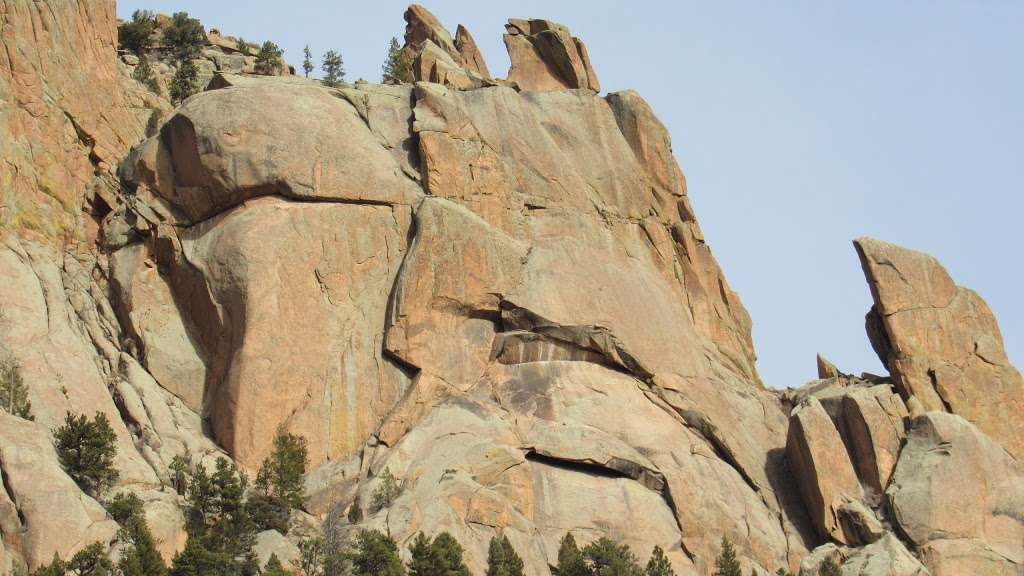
[226,146]
[823,469]
[958,497]
[941,342]
[886,556]
[546,56]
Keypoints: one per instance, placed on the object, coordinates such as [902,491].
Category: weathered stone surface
[432,64]
[421,26]
[149,312]
[53,515]
[436,58]
[965,556]
[271,542]
[944,345]
[545,56]
[822,467]
[223,148]
[540,447]
[452,280]
[59,130]
[472,59]
[887,556]
[954,488]
[299,343]
[874,432]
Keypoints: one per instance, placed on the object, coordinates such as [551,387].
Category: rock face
[59,131]
[435,57]
[441,280]
[942,343]
[956,489]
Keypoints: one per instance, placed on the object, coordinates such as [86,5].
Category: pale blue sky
[799,125]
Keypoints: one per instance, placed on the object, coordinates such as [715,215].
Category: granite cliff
[495,289]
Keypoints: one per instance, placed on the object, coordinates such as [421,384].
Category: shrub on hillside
[86,449]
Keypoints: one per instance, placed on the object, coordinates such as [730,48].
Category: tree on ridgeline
[268,59]
[307,60]
[334,69]
[397,68]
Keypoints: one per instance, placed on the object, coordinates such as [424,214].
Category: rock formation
[441,280]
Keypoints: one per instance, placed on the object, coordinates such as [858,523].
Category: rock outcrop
[941,342]
[496,290]
[546,56]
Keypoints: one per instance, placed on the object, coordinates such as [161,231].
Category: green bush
[387,491]
[268,59]
[144,75]
[185,80]
[86,449]
[221,533]
[13,390]
[184,36]
[605,557]
[181,470]
[136,34]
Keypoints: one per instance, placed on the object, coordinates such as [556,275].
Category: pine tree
[144,75]
[221,534]
[279,483]
[334,69]
[136,34]
[56,567]
[376,555]
[274,567]
[86,450]
[307,60]
[441,556]
[91,561]
[312,556]
[502,559]
[184,36]
[397,68]
[281,474]
[726,563]
[387,491]
[605,557]
[183,84]
[140,557]
[13,390]
[570,559]
[658,565]
[268,59]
